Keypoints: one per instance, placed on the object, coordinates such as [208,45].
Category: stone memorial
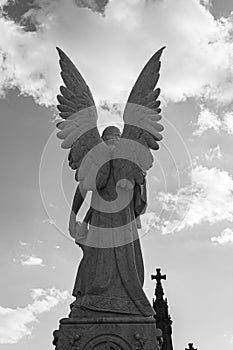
[110,310]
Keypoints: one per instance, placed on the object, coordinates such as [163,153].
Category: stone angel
[113,167]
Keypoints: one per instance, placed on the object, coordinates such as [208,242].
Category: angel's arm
[78,200]
[79,197]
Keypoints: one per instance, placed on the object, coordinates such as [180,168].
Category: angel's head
[111,135]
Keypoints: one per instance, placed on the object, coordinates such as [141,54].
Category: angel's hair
[110,130]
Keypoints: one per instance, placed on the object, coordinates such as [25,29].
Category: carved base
[115,333]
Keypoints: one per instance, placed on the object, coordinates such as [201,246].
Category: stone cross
[158,277]
[190,347]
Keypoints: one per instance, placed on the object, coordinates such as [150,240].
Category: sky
[188,228]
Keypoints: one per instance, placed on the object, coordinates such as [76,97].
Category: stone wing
[142,112]
[141,131]
[78,125]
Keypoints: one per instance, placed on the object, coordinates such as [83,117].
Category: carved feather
[78,129]
[64,101]
[65,108]
[153,104]
[65,115]
[142,113]
[153,95]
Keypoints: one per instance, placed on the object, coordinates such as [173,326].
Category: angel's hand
[81,229]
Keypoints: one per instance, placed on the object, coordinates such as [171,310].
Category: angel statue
[113,167]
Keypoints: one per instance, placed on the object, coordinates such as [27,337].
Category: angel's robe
[110,276]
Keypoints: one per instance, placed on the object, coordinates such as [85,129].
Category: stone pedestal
[109,333]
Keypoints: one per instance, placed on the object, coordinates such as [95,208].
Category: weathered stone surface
[126,333]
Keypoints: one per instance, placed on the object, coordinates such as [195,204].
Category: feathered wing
[142,131]
[78,126]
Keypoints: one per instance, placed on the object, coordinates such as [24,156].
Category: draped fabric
[110,276]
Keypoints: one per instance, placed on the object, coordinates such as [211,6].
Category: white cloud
[207,120]
[209,199]
[226,237]
[3,2]
[149,221]
[206,2]
[194,65]
[49,221]
[213,153]
[24,64]
[228,338]
[228,122]
[24,243]
[95,5]
[31,261]
[16,323]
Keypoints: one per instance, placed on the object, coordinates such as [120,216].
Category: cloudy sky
[188,229]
